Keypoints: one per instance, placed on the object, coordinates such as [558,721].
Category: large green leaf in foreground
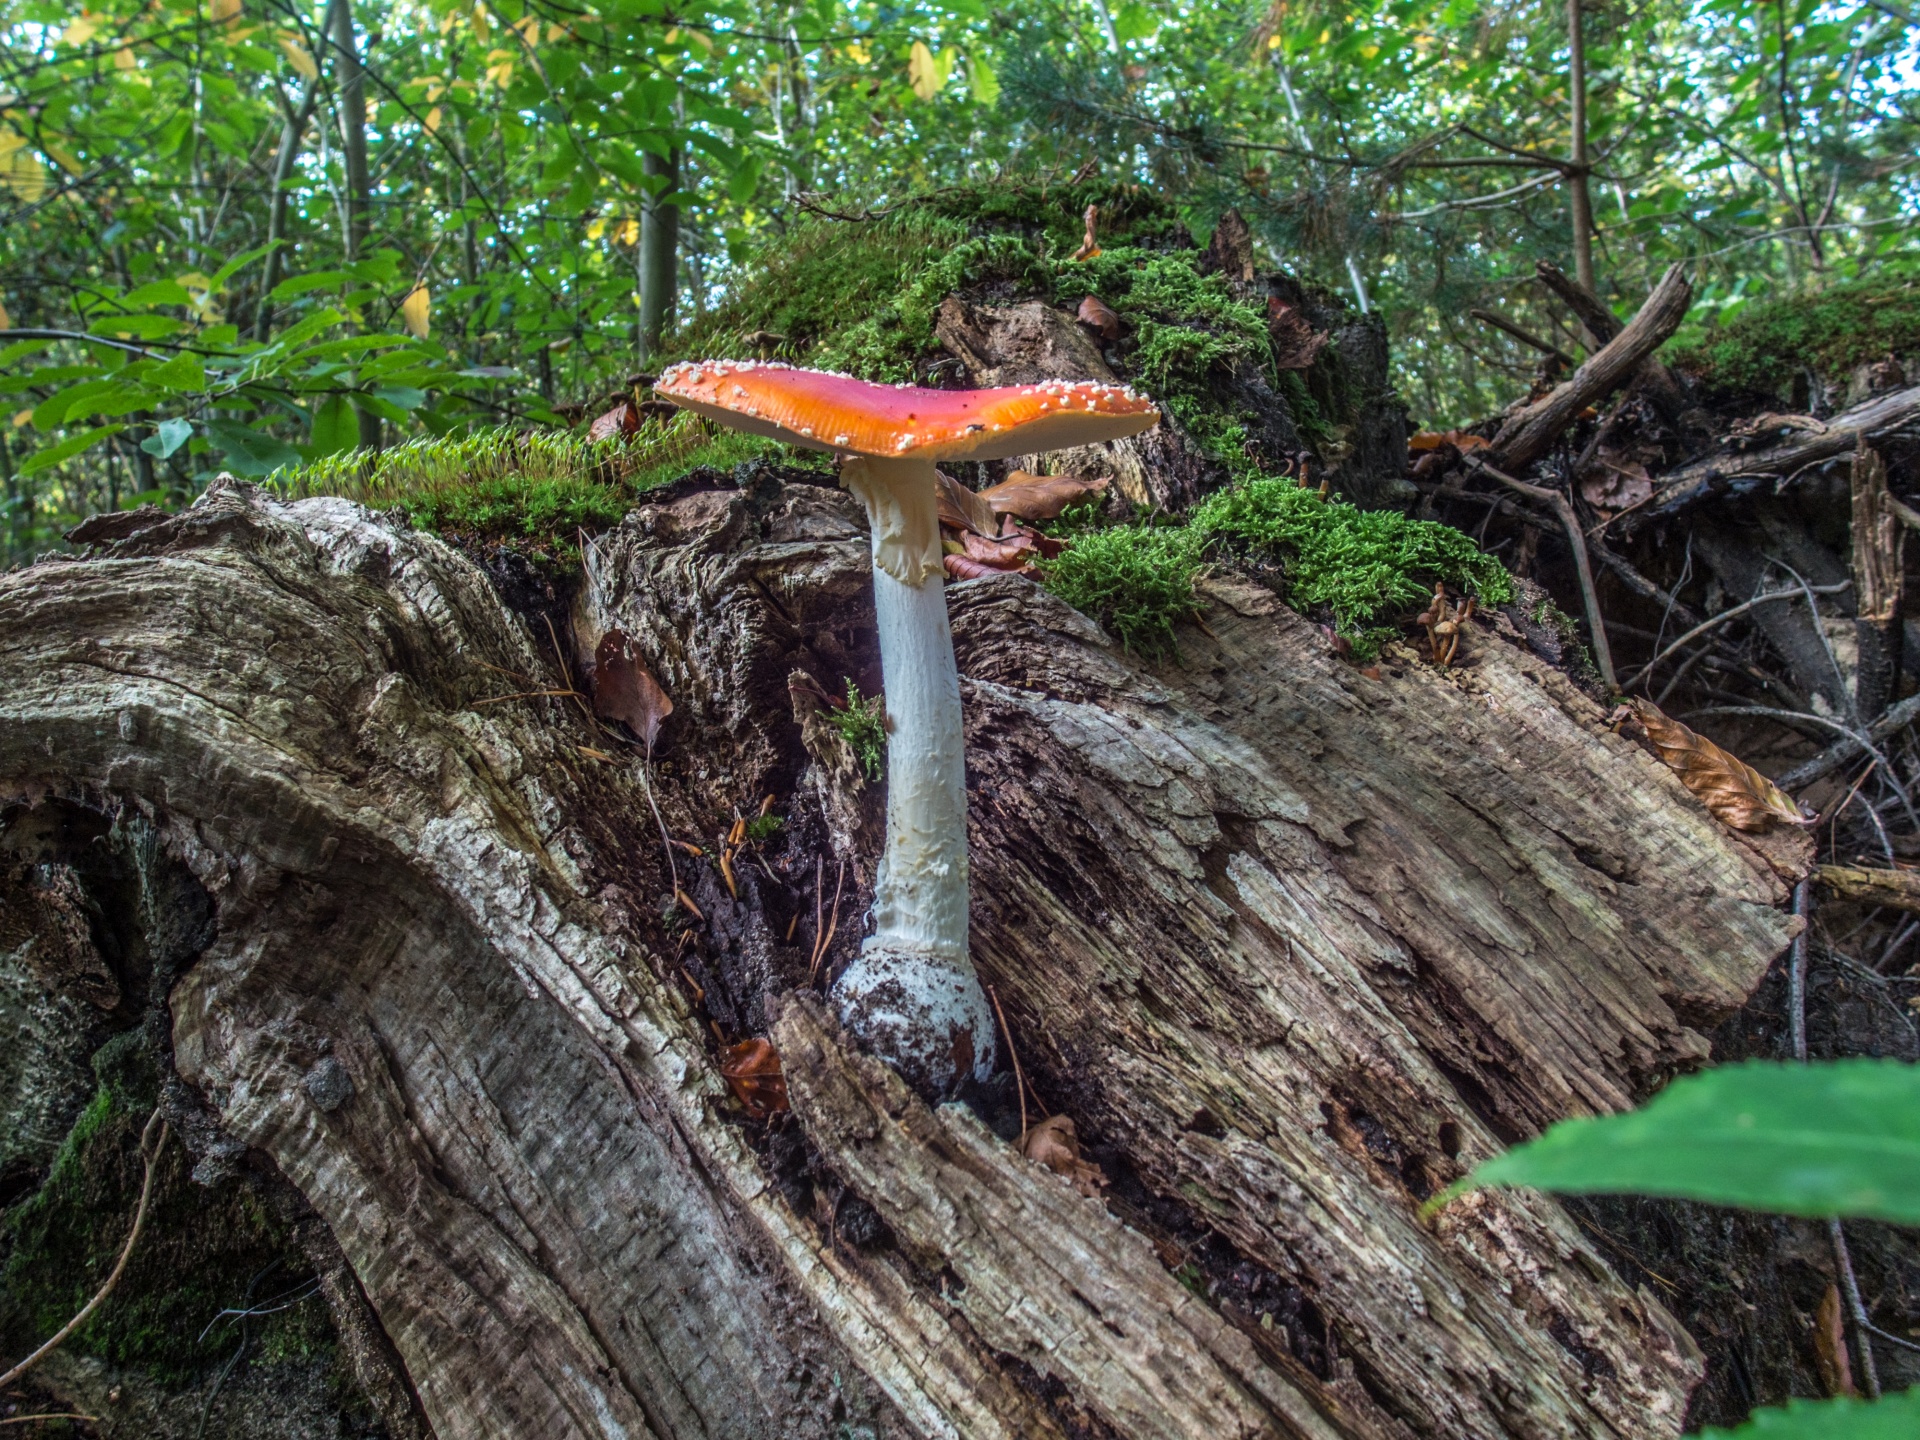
[1895,1418]
[1840,1138]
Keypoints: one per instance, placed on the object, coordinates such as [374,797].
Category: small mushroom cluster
[1445,624]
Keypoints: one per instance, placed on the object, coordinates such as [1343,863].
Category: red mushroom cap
[824,411]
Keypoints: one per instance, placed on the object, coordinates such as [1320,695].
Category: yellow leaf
[414,310]
[923,73]
[80,29]
[68,160]
[123,59]
[1325,36]
[596,228]
[858,53]
[555,32]
[482,27]
[221,11]
[1367,52]
[432,121]
[299,57]
[1273,42]
[6,320]
[702,39]
[20,418]
[10,142]
[672,37]
[22,173]
[630,232]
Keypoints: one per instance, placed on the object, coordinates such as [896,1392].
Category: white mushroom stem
[912,993]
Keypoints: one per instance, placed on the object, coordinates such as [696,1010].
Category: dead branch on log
[1867,423]
[1837,754]
[1577,542]
[1527,435]
[150,1153]
[1898,889]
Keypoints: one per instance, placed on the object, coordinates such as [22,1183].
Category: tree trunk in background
[1879,578]
[658,260]
[1292,945]
[293,127]
[1578,174]
[353,146]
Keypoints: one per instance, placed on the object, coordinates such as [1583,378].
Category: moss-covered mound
[536,491]
[1768,346]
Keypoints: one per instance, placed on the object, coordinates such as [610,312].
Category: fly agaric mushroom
[912,994]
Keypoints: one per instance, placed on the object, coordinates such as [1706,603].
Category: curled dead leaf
[1739,796]
[1616,483]
[961,568]
[964,509]
[1012,553]
[625,690]
[1055,1144]
[622,419]
[1098,316]
[752,1071]
[1040,497]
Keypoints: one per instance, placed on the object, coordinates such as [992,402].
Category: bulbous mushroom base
[924,1015]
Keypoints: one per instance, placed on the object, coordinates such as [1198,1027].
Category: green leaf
[48,414]
[158,292]
[1134,22]
[404,396]
[981,80]
[336,426]
[67,449]
[167,437]
[1896,1417]
[183,372]
[297,285]
[1840,1138]
[227,271]
[20,349]
[248,451]
[136,327]
[744,181]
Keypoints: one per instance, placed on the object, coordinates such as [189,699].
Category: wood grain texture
[1290,944]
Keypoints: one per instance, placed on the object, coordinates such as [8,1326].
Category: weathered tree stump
[1294,945]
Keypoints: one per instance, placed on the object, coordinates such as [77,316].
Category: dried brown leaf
[1055,1144]
[752,1071]
[1016,552]
[964,509]
[1040,497]
[961,568]
[1830,1344]
[1098,316]
[622,419]
[1616,483]
[1738,795]
[625,690]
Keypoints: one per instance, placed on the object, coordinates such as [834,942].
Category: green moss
[763,828]
[1137,580]
[195,1257]
[540,488]
[862,723]
[1362,566]
[1768,344]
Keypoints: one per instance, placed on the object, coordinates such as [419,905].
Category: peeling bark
[1293,946]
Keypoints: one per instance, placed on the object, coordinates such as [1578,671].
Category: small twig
[527,695]
[824,943]
[1725,615]
[1797,970]
[50,1415]
[1019,1076]
[1856,1308]
[1525,337]
[150,1153]
[1577,540]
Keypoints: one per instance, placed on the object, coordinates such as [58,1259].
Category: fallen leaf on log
[625,690]
[1616,484]
[1830,1345]
[752,1071]
[1054,1144]
[1098,316]
[1040,497]
[961,568]
[964,509]
[1015,552]
[1296,344]
[1738,795]
[1440,439]
[622,419]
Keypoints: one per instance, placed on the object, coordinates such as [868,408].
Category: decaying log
[1293,945]
[1530,432]
[1732,472]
